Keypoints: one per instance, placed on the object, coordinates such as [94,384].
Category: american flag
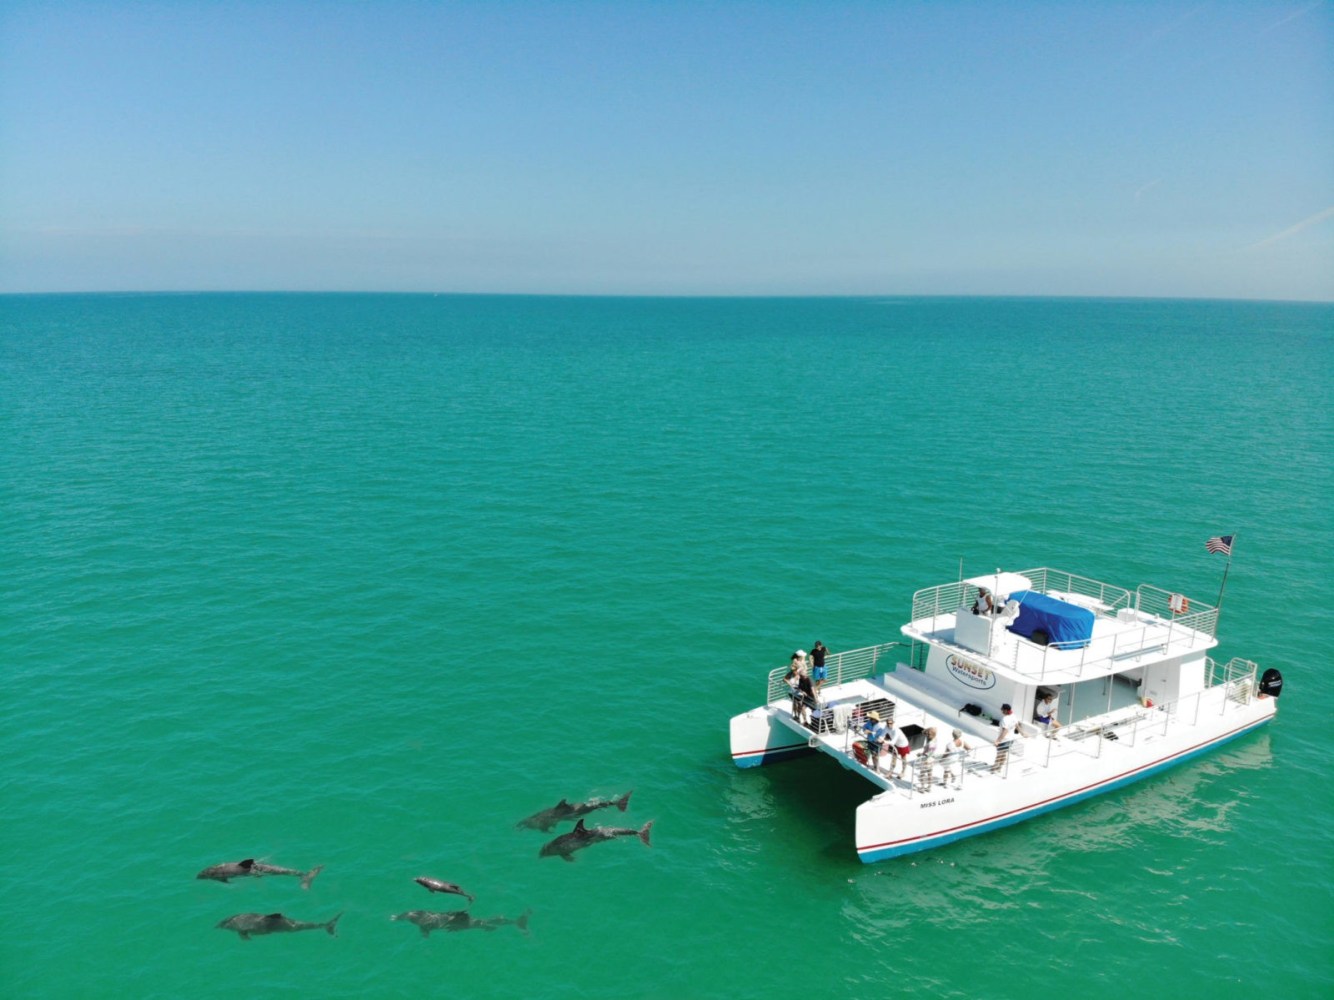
[1220,543]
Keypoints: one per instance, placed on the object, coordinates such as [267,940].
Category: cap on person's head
[956,733]
[1005,708]
[873,715]
[800,652]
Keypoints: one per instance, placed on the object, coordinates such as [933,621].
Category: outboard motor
[1271,683]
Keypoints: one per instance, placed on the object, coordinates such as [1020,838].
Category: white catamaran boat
[1129,672]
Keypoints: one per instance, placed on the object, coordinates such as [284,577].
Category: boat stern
[760,737]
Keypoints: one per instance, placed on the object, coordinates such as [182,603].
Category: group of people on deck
[882,736]
[807,674]
[805,677]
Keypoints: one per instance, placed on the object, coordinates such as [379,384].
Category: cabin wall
[1173,679]
[957,675]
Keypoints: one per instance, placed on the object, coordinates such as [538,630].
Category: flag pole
[1227,566]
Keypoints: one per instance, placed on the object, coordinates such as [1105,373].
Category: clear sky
[1076,148]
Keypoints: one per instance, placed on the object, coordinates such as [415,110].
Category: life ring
[1178,604]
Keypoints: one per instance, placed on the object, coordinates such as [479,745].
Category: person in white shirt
[1009,729]
[898,740]
[1045,712]
[984,604]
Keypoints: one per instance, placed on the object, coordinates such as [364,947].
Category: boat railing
[850,665]
[1101,598]
[1227,686]
[1149,620]
[1157,636]
[1178,609]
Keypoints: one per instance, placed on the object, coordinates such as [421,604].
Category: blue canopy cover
[1066,623]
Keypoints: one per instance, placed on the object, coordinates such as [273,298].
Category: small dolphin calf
[563,810]
[237,869]
[458,920]
[249,924]
[581,836]
[435,885]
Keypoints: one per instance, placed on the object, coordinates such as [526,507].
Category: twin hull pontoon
[1136,692]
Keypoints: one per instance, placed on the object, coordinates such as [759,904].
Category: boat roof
[1001,583]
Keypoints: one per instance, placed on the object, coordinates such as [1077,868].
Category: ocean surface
[360,581]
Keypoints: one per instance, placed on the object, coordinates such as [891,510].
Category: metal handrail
[850,665]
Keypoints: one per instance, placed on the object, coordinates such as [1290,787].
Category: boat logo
[974,675]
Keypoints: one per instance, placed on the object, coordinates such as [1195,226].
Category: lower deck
[1127,736]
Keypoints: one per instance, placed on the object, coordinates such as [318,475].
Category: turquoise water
[361,581]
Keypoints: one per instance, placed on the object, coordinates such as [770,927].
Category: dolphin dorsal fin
[562,802]
[580,828]
[274,916]
[247,863]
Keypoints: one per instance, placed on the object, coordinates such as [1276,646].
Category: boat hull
[887,829]
[760,737]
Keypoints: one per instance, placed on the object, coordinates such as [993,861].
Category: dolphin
[435,885]
[562,810]
[247,924]
[236,869]
[581,836]
[458,920]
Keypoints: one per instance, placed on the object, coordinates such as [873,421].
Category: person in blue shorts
[818,671]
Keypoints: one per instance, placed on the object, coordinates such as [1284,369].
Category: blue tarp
[1068,624]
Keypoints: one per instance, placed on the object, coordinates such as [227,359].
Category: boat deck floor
[1032,754]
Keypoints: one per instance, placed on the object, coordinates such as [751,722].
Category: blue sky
[988,148]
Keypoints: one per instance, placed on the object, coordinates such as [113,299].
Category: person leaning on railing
[956,751]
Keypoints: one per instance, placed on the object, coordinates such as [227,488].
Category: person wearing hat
[956,752]
[876,731]
[1009,729]
[803,695]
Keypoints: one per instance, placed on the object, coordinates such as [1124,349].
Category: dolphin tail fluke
[332,924]
[643,834]
[309,877]
[624,800]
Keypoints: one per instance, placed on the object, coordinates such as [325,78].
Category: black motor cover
[1271,683]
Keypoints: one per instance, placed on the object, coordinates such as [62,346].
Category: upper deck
[1130,629]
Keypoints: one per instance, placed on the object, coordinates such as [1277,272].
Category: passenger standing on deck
[818,672]
[876,731]
[926,758]
[956,752]
[901,748]
[1009,729]
[983,605]
[803,695]
[1045,712]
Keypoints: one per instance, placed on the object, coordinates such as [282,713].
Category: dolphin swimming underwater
[458,920]
[582,836]
[436,885]
[237,869]
[249,924]
[563,810]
